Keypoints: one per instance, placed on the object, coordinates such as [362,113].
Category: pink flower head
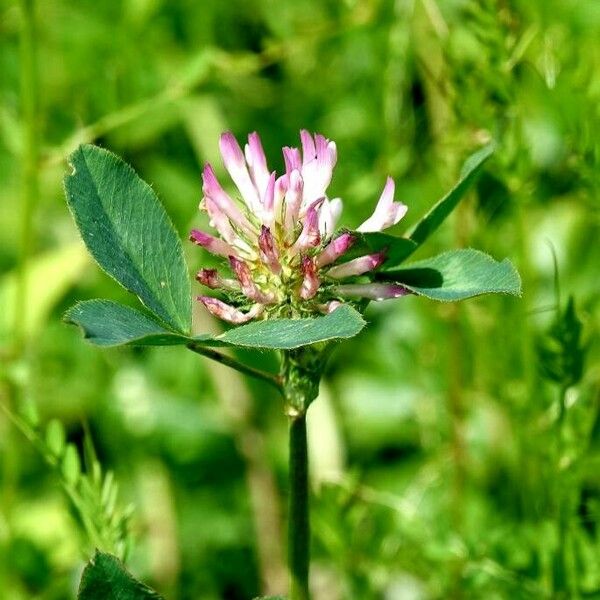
[279,239]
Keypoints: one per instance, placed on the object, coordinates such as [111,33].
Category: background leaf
[105,578]
[49,276]
[438,214]
[457,275]
[127,230]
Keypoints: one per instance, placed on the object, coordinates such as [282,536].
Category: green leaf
[285,334]
[108,323]
[397,249]
[561,350]
[55,438]
[71,465]
[128,232]
[105,577]
[457,275]
[436,216]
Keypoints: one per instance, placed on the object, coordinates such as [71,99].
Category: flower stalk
[299,523]
[301,374]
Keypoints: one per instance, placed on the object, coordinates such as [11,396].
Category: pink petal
[309,151]
[292,159]
[211,279]
[336,248]
[219,220]
[292,202]
[249,288]
[358,266]
[213,190]
[268,250]
[326,153]
[328,216]
[229,313]
[387,212]
[310,283]
[257,162]
[268,200]
[212,244]
[336,205]
[281,188]
[372,291]
[235,163]
[310,236]
[320,156]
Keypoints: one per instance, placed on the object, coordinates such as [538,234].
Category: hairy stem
[299,526]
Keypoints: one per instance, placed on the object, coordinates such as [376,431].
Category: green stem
[29,179]
[224,359]
[299,526]
[566,574]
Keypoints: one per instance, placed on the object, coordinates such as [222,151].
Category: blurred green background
[455,449]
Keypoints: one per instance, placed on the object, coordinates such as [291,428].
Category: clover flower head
[279,241]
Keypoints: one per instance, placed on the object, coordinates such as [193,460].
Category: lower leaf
[107,323]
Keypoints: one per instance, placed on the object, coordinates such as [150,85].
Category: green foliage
[128,232]
[344,322]
[438,424]
[105,577]
[397,249]
[560,349]
[58,269]
[457,275]
[93,493]
[55,438]
[438,214]
[107,323]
